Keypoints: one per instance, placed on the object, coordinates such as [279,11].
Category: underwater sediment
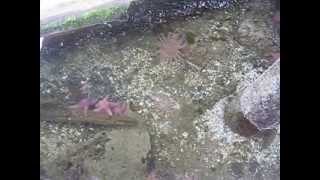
[182,121]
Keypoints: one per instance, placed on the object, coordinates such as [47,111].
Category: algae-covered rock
[234,137]
[260,101]
[231,155]
[107,156]
[124,155]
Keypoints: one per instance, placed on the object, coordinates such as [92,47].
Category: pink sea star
[164,104]
[172,46]
[120,109]
[111,108]
[84,105]
[105,106]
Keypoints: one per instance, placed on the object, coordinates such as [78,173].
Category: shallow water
[172,99]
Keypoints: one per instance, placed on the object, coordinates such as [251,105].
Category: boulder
[260,101]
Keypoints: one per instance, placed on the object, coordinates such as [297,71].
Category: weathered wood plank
[51,110]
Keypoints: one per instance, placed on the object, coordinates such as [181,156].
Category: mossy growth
[92,17]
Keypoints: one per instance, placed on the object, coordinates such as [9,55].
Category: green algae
[99,15]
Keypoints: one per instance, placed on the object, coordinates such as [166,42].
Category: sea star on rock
[84,105]
[173,46]
[105,106]
[120,109]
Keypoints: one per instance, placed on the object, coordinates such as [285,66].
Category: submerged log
[51,110]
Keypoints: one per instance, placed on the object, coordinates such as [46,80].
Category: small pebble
[185,134]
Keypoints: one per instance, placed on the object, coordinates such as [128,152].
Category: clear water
[169,100]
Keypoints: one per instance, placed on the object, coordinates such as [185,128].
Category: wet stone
[237,169]
[240,125]
[260,101]
[119,157]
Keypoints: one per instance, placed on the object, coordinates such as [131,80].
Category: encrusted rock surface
[108,155]
[260,101]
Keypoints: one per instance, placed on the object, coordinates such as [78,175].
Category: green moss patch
[92,17]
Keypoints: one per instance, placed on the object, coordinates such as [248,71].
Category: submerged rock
[158,11]
[260,101]
[234,131]
[230,154]
[112,155]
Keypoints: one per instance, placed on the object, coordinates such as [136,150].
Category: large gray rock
[260,101]
[233,136]
[108,156]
